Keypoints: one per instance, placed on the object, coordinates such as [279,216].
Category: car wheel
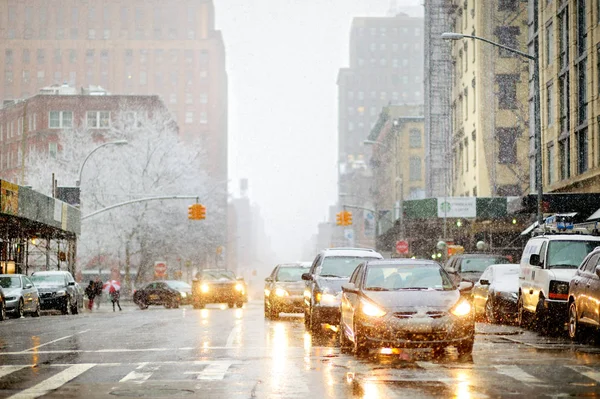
[273,312]
[360,346]
[36,312]
[19,310]
[465,347]
[240,304]
[490,314]
[306,320]
[230,304]
[2,310]
[345,343]
[575,330]
[315,325]
[523,317]
[199,305]
[66,308]
[143,305]
[175,304]
[542,320]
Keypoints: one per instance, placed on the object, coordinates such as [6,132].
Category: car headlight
[281,292]
[183,294]
[559,290]
[239,287]
[462,308]
[370,309]
[204,288]
[60,293]
[267,292]
[326,298]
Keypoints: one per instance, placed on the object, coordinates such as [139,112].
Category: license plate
[422,325]
[153,297]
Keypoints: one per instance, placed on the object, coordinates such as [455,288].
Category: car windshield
[568,254]
[178,285]
[406,277]
[340,266]
[218,275]
[54,279]
[500,272]
[480,264]
[10,282]
[290,274]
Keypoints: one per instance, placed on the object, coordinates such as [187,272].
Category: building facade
[386,67]
[490,112]
[566,35]
[139,47]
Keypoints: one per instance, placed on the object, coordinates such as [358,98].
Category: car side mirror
[598,270]
[484,282]
[307,277]
[451,270]
[535,260]
[71,283]
[268,279]
[28,286]
[465,286]
[349,287]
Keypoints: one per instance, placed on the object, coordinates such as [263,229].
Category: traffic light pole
[167,197]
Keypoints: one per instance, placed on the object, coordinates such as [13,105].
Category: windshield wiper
[329,275]
[414,288]
[563,265]
[376,289]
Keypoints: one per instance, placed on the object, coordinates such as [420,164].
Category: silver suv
[322,296]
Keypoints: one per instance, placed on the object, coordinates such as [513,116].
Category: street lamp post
[537,120]
[117,142]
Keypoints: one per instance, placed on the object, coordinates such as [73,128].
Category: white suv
[547,266]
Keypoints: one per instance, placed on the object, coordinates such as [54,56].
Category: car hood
[562,274]
[505,286]
[332,285]
[12,291]
[414,300]
[291,286]
[49,287]
[471,276]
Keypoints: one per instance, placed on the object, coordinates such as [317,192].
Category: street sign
[402,247]
[160,268]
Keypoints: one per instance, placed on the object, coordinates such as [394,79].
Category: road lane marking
[213,371]
[139,377]
[586,371]
[54,341]
[6,370]
[53,382]
[233,334]
[518,374]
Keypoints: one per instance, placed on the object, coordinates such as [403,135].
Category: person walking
[114,297]
[90,291]
[98,286]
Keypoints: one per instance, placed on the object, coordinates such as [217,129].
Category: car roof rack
[562,223]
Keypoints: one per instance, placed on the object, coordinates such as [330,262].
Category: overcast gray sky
[283,57]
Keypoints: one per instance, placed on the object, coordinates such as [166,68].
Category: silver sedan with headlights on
[405,303]
[284,289]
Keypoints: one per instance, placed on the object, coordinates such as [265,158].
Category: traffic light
[196,212]
[340,218]
[191,212]
[348,218]
[201,211]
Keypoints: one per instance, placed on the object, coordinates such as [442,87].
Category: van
[547,265]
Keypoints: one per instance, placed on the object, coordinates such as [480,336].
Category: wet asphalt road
[235,353]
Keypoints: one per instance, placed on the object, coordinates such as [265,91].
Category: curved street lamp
[538,128]
[117,142]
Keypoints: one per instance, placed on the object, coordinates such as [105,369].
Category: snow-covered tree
[155,162]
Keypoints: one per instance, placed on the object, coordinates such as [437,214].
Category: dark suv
[470,267]
[330,269]
[58,290]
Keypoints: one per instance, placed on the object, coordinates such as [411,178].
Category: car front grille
[434,314]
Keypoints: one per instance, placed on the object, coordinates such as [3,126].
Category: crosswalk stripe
[53,382]
[518,374]
[214,371]
[140,377]
[587,371]
[6,370]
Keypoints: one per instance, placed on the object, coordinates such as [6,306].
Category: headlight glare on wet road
[370,309]
[281,292]
[204,288]
[462,308]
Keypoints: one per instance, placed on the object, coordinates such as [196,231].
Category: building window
[507,91]
[203,98]
[563,33]
[89,56]
[581,27]
[53,149]
[26,56]
[203,118]
[189,117]
[507,36]
[582,92]
[564,148]
[474,139]
[550,163]
[507,145]
[60,119]
[72,56]
[41,56]
[91,34]
[550,104]
[466,94]
[563,82]
[8,77]
[466,154]
[415,168]
[582,151]
[143,78]
[8,56]
[98,119]
[415,138]
[549,43]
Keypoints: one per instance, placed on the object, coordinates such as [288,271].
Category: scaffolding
[438,89]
